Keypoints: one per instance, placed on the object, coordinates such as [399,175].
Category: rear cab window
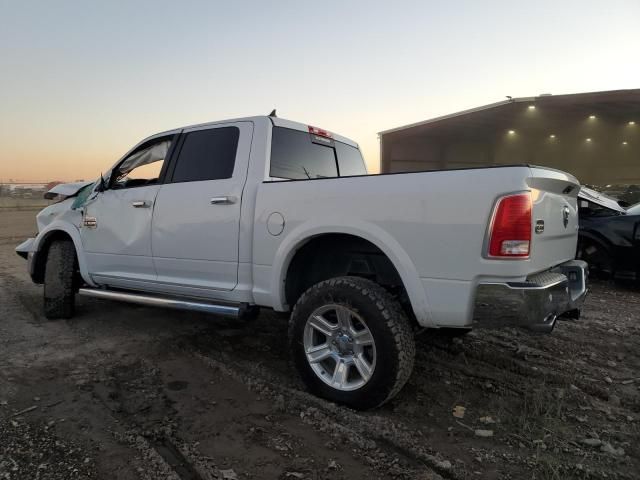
[350,160]
[299,155]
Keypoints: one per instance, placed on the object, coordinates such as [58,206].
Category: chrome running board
[156,301]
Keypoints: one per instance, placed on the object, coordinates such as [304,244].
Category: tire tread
[59,288]
[390,310]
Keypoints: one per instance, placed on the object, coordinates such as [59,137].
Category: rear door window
[207,155]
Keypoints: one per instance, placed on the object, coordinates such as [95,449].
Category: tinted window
[295,156]
[207,155]
[349,160]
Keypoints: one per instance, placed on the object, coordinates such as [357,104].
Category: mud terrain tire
[59,275]
[391,331]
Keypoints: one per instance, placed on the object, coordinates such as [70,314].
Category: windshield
[82,195]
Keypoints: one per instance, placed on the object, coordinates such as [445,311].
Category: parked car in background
[609,239]
[229,216]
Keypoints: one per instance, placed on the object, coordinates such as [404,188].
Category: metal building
[595,136]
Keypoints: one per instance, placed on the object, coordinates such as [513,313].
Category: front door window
[142,167]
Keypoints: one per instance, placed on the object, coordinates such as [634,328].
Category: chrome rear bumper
[534,304]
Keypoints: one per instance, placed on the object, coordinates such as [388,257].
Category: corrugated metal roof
[590,96]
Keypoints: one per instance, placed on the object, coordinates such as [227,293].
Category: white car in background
[229,216]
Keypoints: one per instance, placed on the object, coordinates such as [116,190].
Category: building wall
[603,160]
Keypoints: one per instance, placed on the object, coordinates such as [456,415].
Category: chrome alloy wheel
[340,347]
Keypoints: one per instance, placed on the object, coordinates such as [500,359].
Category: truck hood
[600,199]
[66,189]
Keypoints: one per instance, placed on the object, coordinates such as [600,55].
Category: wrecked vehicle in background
[609,238]
[627,194]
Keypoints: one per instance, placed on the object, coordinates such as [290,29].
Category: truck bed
[432,225]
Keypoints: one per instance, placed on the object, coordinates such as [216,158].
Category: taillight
[510,234]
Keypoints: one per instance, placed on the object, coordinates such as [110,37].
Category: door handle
[140,204]
[222,200]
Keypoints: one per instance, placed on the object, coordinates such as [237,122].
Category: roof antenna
[273,113]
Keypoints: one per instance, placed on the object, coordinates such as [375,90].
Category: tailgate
[555,217]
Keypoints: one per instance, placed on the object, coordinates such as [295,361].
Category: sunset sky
[82,81]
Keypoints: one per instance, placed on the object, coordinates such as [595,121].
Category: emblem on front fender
[90,222]
[565,216]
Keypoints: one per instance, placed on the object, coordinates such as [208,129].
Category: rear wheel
[351,342]
[59,276]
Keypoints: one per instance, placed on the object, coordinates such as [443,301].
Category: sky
[81,82]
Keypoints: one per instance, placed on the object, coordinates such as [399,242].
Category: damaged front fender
[25,248]
[66,190]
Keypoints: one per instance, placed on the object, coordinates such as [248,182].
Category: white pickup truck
[230,216]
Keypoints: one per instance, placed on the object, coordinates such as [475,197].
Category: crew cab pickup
[230,216]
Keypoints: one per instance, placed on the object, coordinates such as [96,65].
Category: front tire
[351,342]
[59,275]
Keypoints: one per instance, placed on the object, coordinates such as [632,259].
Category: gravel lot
[129,392]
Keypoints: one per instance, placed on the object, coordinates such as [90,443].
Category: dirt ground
[126,392]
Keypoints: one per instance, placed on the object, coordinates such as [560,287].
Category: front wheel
[351,342]
[59,276]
